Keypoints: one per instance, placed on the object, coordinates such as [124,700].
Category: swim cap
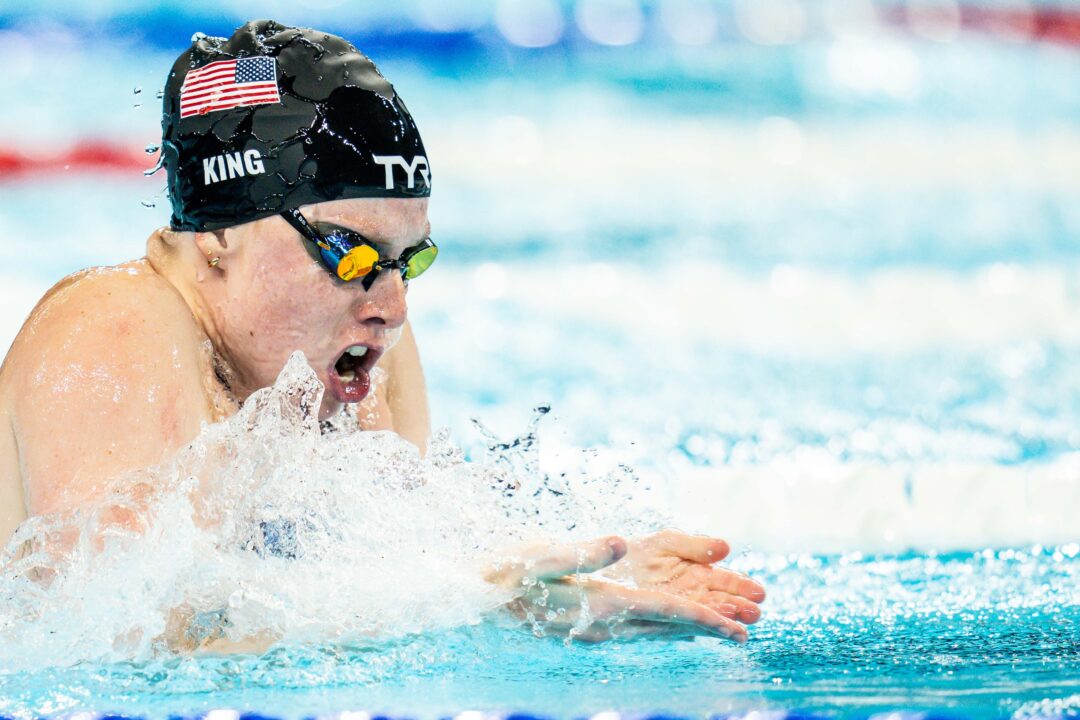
[277,117]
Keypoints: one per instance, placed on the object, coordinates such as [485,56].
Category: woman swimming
[299,186]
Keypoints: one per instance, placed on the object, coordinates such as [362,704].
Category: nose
[383,305]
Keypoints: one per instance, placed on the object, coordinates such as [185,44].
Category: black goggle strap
[302,226]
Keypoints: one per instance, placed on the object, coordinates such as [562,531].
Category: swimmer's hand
[558,596]
[674,562]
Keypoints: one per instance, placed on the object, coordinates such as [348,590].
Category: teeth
[348,376]
[357,351]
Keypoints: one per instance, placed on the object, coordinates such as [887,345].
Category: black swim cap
[277,117]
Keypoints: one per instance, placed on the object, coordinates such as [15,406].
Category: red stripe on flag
[218,103]
[208,82]
[230,95]
[213,67]
[244,101]
[194,80]
[264,99]
[198,75]
[246,87]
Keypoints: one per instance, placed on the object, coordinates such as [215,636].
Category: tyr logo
[418,163]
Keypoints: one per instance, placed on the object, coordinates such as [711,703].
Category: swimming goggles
[349,255]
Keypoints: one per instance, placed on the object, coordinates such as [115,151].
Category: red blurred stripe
[83,156]
[1059,25]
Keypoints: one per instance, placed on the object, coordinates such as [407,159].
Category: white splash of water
[268,526]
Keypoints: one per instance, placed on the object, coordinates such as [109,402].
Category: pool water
[832,314]
[982,635]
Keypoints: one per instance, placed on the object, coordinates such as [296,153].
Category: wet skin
[117,368]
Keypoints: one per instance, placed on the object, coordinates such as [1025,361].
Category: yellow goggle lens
[420,262]
[357,262]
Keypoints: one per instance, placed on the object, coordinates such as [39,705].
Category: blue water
[990,634]
[889,306]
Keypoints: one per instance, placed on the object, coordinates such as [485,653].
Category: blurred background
[814,264]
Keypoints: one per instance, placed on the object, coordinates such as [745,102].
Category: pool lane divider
[1054,24]
[83,156]
[224,714]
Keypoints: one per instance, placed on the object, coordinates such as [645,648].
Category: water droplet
[160,94]
[137,105]
[151,149]
[137,90]
[148,203]
[157,166]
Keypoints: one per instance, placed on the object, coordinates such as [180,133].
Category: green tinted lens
[420,261]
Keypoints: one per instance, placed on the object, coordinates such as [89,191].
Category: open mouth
[350,377]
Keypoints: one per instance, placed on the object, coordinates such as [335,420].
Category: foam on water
[979,635]
[270,526]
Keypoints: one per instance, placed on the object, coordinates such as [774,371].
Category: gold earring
[213,263]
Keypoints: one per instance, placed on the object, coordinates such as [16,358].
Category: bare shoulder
[105,376]
[125,315]
[116,296]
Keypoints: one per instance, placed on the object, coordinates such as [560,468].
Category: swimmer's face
[277,298]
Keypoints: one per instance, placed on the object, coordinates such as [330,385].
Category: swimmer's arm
[107,385]
[401,401]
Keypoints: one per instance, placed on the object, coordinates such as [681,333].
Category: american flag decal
[229,83]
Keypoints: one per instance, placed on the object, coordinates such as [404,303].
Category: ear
[212,244]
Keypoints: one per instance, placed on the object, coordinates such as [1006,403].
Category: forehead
[388,220]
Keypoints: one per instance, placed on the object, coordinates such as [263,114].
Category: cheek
[285,313]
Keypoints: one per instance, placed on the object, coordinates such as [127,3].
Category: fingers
[662,607]
[548,562]
[612,607]
[735,583]
[584,557]
[733,606]
[696,548]
[706,551]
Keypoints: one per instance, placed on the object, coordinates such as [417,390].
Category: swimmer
[299,187]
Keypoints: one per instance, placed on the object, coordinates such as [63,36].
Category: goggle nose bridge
[369,279]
